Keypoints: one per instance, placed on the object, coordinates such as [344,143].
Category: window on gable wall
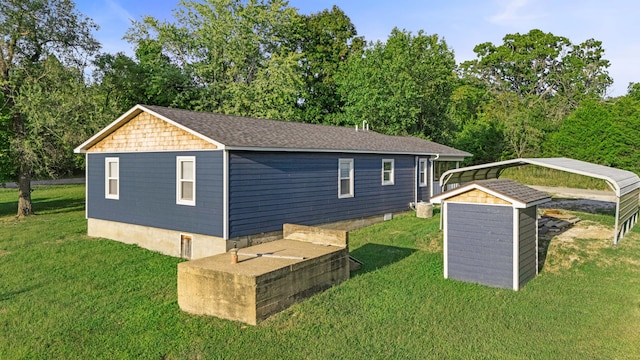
[345,178]
[387,172]
[112,178]
[422,172]
[186,180]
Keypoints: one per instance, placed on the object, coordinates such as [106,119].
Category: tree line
[536,94]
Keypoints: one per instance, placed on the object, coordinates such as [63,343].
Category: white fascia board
[82,148]
[462,189]
[124,118]
[342,151]
[449,158]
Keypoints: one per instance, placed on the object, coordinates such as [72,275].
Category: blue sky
[462,23]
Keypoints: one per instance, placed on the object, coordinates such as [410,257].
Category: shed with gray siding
[491,233]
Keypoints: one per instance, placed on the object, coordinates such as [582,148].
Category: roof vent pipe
[365,125]
[356,127]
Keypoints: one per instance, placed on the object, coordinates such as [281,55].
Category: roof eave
[349,151]
[124,118]
[82,148]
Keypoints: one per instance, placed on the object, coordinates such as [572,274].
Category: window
[345,178]
[112,178]
[422,172]
[387,171]
[186,180]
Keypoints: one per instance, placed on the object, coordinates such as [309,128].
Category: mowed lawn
[64,295]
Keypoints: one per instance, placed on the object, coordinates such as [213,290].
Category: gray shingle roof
[513,190]
[246,132]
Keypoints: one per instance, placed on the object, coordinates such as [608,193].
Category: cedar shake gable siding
[146,132]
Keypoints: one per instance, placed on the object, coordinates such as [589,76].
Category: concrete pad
[259,286]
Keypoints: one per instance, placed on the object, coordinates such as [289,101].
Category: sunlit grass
[537,175]
[66,296]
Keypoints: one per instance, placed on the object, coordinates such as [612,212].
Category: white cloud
[514,13]
[117,11]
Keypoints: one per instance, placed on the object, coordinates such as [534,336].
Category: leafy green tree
[401,86]
[150,78]
[325,40]
[32,34]
[119,81]
[62,114]
[535,81]
[603,132]
[234,52]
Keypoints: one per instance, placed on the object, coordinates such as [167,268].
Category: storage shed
[491,232]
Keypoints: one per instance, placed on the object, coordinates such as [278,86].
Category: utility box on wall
[491,232]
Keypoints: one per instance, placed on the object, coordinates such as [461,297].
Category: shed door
[480,243]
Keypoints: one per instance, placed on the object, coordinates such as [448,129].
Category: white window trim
[179,200]
[424,164]
[391,180]
[107,161]
[351,192]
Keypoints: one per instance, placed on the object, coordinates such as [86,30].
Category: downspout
[416,177]
[431,173]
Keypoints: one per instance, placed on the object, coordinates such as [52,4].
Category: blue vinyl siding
[267,189]
[148,192]
[480,244]
[527,251]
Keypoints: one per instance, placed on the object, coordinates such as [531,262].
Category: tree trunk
[24,193]
[24,171]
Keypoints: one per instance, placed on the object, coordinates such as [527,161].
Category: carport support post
[616,229]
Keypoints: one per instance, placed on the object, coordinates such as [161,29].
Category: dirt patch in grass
[4,252]
[431,244]
[586,230]
[584,241]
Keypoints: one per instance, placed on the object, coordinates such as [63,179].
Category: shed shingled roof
[238,132]
[513,191]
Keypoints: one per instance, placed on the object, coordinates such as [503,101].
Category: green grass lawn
[64,295]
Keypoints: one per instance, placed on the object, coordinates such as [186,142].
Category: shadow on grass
[44,206]
[57,206]
[11,294]
[376,256]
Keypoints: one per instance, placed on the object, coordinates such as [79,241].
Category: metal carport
[625,184]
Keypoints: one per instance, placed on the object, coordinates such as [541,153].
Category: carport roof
[621,181]
[625,184]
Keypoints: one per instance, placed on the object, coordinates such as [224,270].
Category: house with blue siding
[194,184]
